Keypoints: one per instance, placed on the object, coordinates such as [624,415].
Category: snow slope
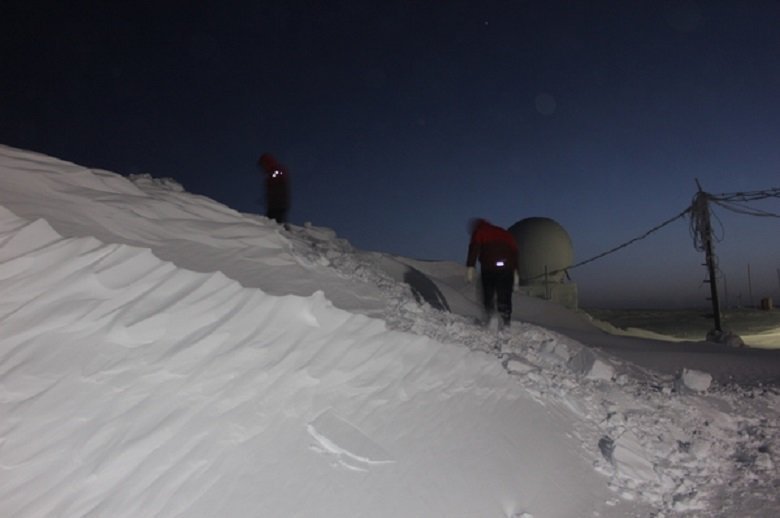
[164,355]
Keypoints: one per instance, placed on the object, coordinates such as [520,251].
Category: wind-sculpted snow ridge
[193,232]
[657,440]
[643,431]
[131,387]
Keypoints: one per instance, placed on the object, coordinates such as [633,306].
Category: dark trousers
[497,292]
[278,215]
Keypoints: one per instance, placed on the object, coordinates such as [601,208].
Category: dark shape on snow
[607,447]
[425,289]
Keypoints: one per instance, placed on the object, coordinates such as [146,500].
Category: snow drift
[164,355]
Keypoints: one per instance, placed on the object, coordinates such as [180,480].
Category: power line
[619,247]
[700,219]
[746,196]
[632,241]
[742,209]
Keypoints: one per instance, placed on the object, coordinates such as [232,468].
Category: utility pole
[702,207]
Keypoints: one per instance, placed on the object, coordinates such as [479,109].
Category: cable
[700,226]
[619,247]
[701,217]
[741,209]
[747,196]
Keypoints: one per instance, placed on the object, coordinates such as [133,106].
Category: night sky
[399,120]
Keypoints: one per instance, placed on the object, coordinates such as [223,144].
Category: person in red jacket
[277,188]
[496,250]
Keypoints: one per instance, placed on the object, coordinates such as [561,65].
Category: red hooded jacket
[277,190]
[495,247]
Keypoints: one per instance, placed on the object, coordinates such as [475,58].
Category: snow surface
[162,355]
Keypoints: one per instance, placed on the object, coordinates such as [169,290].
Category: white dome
[544,247]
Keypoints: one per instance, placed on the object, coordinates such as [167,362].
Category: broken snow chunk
[632,460]
[764,461]
[601,370]
[556,350]
[697,381]
[518,366]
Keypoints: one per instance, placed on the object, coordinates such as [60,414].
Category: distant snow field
[162,355]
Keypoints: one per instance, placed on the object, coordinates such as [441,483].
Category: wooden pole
[702,198]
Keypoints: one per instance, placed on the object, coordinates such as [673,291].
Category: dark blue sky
[400,120]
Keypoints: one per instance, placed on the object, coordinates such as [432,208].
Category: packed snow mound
[164,355]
